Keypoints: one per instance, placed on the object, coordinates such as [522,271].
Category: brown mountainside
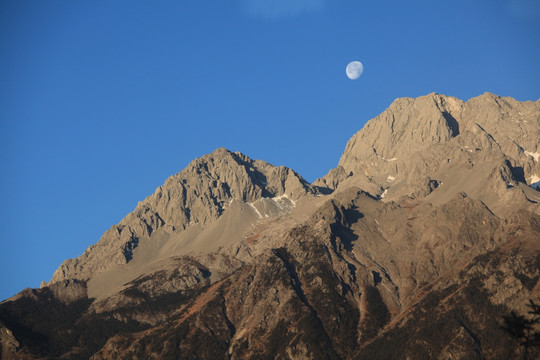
[416,246]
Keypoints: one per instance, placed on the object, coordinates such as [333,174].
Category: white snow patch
[257,211]
[535,155]
[390,178]
[378,226]
[384,193]
[535,181]
[284,196]
[392,159]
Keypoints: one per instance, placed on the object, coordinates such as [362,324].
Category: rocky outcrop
[9,345]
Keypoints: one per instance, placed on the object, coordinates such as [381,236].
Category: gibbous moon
[354,70]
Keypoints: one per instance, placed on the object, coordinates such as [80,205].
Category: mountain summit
[417,245]
[185,215]
[483,146]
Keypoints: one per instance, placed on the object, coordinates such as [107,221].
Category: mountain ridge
[419,242]
[196,196]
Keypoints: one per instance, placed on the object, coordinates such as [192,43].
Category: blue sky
[101,101]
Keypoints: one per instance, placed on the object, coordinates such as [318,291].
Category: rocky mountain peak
[197,195]
[437,139]
[407,125]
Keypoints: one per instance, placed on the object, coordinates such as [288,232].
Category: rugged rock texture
[9,345]
[416,246]
[418,144]
[198,194]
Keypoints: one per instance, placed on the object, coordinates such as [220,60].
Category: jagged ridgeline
[416,246]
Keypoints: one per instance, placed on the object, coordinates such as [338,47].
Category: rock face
[8,344]
[417,245]
[198,195]
[418,144]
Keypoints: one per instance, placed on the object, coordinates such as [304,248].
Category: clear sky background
[101,101]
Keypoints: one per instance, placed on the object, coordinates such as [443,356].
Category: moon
[354,70]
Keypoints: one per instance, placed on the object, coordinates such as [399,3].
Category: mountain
[483,147]
[417,245]
[208,205]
